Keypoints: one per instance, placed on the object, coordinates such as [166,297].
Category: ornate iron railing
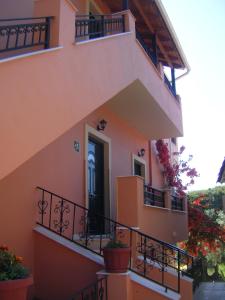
[95,291]
[153,196]
[76,223]
[96,26]
[169,84]
[177,203]
[24,33]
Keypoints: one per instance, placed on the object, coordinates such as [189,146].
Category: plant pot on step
[15,289]
[116,257]
[14,277]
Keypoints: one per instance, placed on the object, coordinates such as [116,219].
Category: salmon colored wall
[60,272]
[16,9]
[50,87]
[142,293]
[60,169]
[123,287]
[162,223]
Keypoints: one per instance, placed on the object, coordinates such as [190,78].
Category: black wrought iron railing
[177,203]
[153,196]
[95,291]
[24,33]
[78,224]
[96,26]
[169,85]
[148,51]
[153,57]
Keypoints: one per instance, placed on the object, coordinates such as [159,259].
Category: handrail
[153,196]
[95,291]
[91,231]
[24,19]
[177,203]
[96,26]
[22,35]
[118,223]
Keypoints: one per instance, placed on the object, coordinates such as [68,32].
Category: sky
[200,27]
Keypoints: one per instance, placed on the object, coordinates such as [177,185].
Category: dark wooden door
[96,185]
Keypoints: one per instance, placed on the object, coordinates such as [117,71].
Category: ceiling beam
[142,13]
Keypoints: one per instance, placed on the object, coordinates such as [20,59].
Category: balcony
[18,36]
[113,70]
[153,211]
[153,197]
[97,26]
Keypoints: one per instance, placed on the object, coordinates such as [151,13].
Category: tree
[206,237]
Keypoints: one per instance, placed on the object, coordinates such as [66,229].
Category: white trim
[33,53]
[102,38]
[167,269]
[106,140]
[104,272]
[158,207]
[142,162]
[154,287]
[69,245]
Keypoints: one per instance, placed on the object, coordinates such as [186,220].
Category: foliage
[206,236]
[115,244]
[11,265]
[175,171]
[213,196]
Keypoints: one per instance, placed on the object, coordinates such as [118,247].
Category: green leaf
[210,271]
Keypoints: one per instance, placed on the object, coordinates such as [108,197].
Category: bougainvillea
[174,171]
[206,238]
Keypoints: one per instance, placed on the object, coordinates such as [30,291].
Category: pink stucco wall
[59,272]
[52,85]
[60,169]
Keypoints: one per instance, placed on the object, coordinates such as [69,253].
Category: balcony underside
[136,105]
[69,84]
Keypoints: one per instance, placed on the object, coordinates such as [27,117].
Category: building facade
[85,92]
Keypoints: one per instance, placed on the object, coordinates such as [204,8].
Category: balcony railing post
[125,4]
[154,47]
[102,25]
[173,82]
[47,33]
[123,23]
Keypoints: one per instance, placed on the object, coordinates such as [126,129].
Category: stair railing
[94,291]
[149,257]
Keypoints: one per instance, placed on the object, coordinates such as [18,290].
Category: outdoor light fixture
[101,125]
[141,153]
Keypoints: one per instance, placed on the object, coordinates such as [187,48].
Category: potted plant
[14,277]
[116,256]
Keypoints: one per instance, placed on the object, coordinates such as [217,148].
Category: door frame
[142,162]
[106,141]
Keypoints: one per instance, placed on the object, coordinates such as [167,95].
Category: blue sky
[200,27]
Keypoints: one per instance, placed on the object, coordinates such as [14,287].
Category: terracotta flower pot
[116,259]
[15,289]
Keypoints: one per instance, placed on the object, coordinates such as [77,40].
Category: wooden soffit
[150,21]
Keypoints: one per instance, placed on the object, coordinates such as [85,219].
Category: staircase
[150,258]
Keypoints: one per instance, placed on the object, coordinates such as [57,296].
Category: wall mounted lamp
[141,153]
[101,125]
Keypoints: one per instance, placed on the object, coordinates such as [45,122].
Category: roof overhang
[152,19]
